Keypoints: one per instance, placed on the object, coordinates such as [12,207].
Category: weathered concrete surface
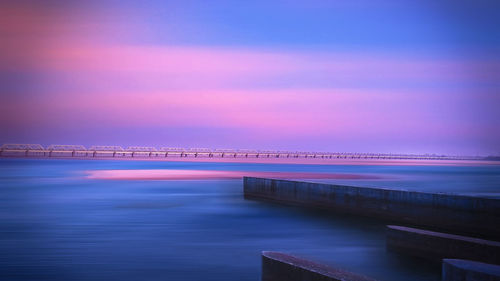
[282,267]
[463,214]
[436,245]
[464,270]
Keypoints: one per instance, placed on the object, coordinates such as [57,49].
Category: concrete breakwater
[282,267]
[475,216]
[456,269]
[436,245]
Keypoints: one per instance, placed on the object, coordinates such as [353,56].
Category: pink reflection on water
[211,174]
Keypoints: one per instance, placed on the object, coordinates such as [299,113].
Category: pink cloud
[271,112]
[221,64]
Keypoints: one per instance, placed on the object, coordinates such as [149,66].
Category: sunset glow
[177,74]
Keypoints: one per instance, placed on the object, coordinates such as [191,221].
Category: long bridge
[98,151]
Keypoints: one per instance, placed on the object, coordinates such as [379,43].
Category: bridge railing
[106,148]
[63,147]
[141,148]
[172,149]
[17,146]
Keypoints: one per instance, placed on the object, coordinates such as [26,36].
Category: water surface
[57,224]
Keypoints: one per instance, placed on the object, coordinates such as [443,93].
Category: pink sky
[85,80]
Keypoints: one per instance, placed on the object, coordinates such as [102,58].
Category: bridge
[97,151]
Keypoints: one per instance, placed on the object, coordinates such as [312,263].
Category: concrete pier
[437,246]
[464,270]
[282,267]
[462,214]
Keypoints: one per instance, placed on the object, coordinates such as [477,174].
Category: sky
[340,76]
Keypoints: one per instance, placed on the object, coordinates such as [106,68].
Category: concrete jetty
[282,267]
[437,246]
[456,213]
[465,270]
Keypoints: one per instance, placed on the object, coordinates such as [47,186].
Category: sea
[59,223]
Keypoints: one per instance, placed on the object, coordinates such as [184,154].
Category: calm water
[55,224]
